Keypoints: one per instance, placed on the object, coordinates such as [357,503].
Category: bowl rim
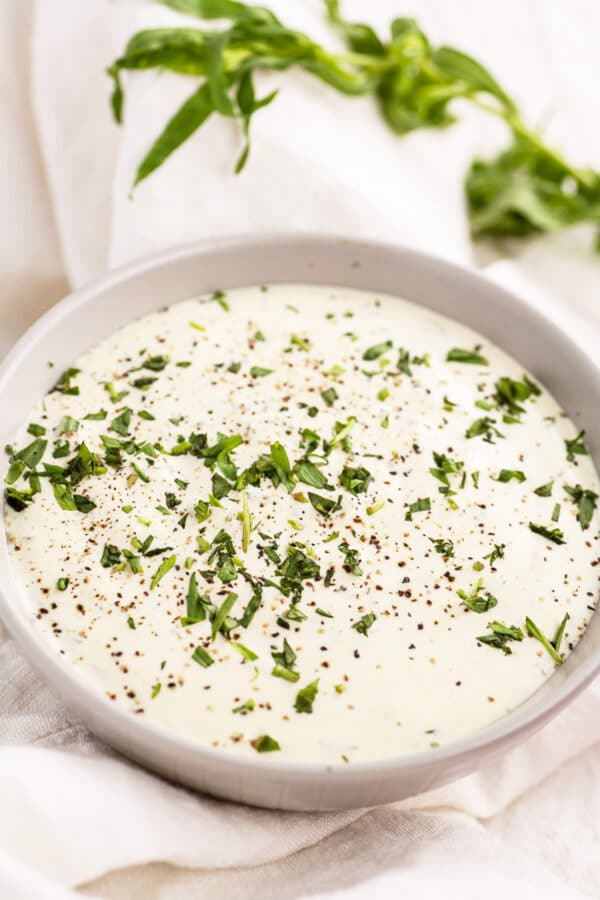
[84,694]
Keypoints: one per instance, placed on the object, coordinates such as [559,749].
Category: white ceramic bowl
[83,319]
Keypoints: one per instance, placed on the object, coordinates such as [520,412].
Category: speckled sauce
[429,477]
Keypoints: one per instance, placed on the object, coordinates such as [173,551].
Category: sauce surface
[308,521]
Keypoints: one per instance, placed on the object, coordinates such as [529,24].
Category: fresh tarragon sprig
[528,188]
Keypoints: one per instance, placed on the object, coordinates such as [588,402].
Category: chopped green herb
[507,475]
[445,547]
[364,623]
[220,621]
[537,633]
[544,490]
[472,357]
[121,423]
[329,396]
[324,505]
[510,394]
[64,386]
[555,534]
[355,480]
[203,658]
[162,570]
[421,505]
[585,500]
[324,613]
[485,428]
[62,584]
[300,342]
[377,350]
[351,560]
[500,636]
[287,674]
[265,744]
[258,372]
[246,707]
[115,396]
[246,523]
[244,651]
[576,447]
[475,601]
[496,553]
[111,556]
[308,473]
[306,696]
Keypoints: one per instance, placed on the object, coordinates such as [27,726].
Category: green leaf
[222,614]
[576,447]
[475,602]
[507,475]
[121,423]
[585,500]
[196,603]
[202,657]
[472,357]
[265,744]
[555,534]
[364,623]
[186,121]
[461,67]
[64,497]
[377,350]
[244,651]
[500,636]
[306,472]
[537,633]
[324,505]
[356,480]
[306,696]
[165,566]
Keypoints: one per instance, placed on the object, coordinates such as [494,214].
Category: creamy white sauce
[419,677]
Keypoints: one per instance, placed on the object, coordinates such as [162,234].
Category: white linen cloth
[77,820]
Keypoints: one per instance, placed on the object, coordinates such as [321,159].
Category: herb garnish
[203,658]
[585,500]
[445,547]
[364,623]
[377,350]
[351,560]
[484,427]
[355,480]
[500,636]
[544,490]
[162,570]
[222,620]
[551,646]
[306,696]
[329,396]
[475,601]
[422,505]
[472,357]
[507,475]
[555,534]
[265,744]
[576,447]
[528,188]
